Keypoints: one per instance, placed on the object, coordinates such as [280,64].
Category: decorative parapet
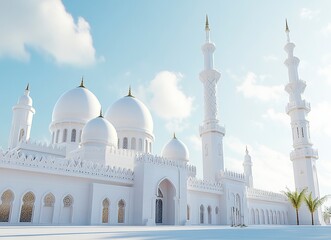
[232,175]
[157,160]
[42,147]
[303,153]
[211,126]
[86,169]
[195,184]
[297,105]
[253,193]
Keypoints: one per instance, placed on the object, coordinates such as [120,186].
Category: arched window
[121,211]
[73,135]
[188,212]
[209,214]
[105,210]
[67,201]
[146,146]
[53,136]
[216,210]
[125,143]
[140,144]
[150,147]
[47,209]
[65,133]
[6,204]
[49,200]
[21,135]
[57,136]
[202,214]
[133,143]
[27,207]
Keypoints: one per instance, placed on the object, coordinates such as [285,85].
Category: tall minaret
[303,156]
[22,119]
[211,132]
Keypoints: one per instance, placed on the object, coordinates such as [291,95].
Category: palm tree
[296,199]
[313,204]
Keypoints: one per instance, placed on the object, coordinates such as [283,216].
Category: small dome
[175,149]
[100,131]
[129,113]
[25,99]
[78,104]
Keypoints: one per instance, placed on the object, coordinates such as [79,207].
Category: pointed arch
[125,143]
[27,207]
[47,209]
[121,211]
[65,134]
[105,210]
[7,199]
[165,192]
[209,214]
[73,135]
[202,214]
[67,209]
[133,143]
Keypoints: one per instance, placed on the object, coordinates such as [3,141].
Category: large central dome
[76,105]
[129,113]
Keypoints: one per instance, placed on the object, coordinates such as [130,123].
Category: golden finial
[246,150]
[27,87]
[101,113]
[286,26]
[130,94]
[82,83]
[175,135]
[207,24]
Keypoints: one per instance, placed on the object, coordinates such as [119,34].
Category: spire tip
[207,24]
[175,136]
[82,83]
[27,87]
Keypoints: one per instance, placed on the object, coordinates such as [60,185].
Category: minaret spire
[211,132]
[287,30]
[82,83]
[207,29]
[27,87]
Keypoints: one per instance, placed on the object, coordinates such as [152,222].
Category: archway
[6,204]
[165,205]
[47,209]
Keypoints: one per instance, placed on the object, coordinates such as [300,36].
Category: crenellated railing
[43,163]
[254,193]
[157,160]
[232,175]
[204,185]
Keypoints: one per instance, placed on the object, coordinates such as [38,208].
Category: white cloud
[251,89]
[309,14]
[269,165]
[325,72]
[168,100]
[45,26]
[320,118]
[279,117]
[327,29]
[195,142]
[270,58]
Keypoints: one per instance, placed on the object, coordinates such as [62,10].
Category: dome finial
[27,87]
[287,30]
[82,83]
[246,150]
[175,135]
[207,24]
[130,94]
[101,113]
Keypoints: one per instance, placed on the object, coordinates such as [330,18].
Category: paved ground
[165,232]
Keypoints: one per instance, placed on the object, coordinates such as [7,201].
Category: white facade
[102,171]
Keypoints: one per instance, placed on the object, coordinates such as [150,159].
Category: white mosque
[100,170]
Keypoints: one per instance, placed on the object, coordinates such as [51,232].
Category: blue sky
[155,46]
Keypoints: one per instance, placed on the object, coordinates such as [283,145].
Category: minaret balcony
[211,127]
[297,86]
[303,153]
[297,106]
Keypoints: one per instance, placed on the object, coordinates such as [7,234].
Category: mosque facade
[101,170]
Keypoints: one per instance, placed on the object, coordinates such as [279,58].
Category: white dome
[25,100]
[129,113]
[175,149]
[100,131]
[76,105]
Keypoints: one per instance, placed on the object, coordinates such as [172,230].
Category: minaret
[211,132]
[248,170]
[22,119]
[303,156]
